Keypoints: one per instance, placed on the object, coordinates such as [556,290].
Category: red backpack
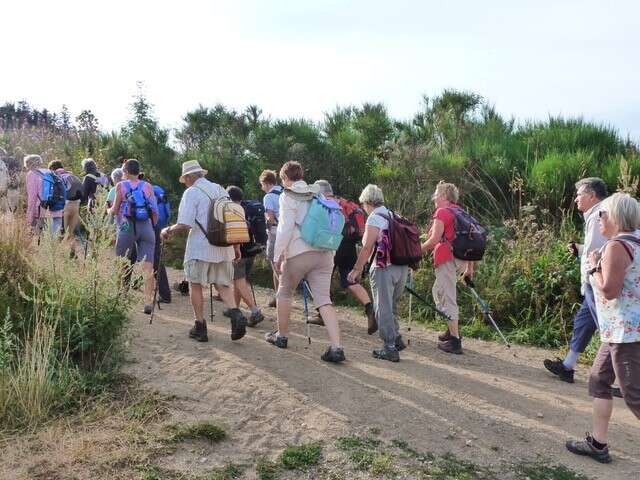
[405,240]
[354,219]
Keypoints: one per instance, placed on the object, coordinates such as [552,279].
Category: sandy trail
[490,405]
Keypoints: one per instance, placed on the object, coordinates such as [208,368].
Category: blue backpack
[53,192]
[136,205]
[322,226]
[164,207]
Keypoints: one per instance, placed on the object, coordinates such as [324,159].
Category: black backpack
[470,241]
[257,224]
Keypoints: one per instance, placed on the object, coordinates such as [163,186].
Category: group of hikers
[307,232]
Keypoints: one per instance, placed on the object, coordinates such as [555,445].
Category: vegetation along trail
[490,405]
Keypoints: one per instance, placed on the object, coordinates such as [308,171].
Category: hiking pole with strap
[427,303]
[211,303]
[484,308]
[305,292]
[156,301]
[410,282]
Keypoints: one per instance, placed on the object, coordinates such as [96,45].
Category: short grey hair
[593,185]
[32,161]
[325,187]
[195,176]
[623,210]
[372,195]
[117,175]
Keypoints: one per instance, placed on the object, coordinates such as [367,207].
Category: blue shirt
[271,201]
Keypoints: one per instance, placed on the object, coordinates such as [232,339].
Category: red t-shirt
[442,252]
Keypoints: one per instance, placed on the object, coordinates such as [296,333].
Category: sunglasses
[602,213]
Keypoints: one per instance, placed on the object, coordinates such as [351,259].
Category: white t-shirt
[195,206]
[378,221]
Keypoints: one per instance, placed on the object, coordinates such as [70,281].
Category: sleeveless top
[619,319]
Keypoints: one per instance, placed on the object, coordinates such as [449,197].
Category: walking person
[614,275]
[297,260]
[269,185]
[205,264]
[344,260]
[136,212]
[447,267]
[387,280]
[117,174]
[71,213]
[242,270]
[38,216]
[91,181]
[590,192]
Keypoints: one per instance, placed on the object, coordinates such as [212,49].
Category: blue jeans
[585,323]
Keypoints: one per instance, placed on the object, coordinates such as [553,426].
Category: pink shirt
[34,186]
[442,252]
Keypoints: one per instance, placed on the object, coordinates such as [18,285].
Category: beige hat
[191,166]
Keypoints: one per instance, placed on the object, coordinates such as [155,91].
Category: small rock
[468,443]
[539,415]
[203,459]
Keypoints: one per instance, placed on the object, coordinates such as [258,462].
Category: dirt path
[490,405]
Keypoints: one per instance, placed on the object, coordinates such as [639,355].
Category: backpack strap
[622,239]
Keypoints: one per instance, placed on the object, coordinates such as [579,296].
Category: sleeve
[375,220]
[270,201]
[186,210]
[286,225]
[33,186]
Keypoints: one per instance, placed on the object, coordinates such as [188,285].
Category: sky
[530,59]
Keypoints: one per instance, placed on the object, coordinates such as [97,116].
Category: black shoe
[334,356]
[443,337]
[453,345]
[226,312]
[199,331]
[557,368]
[385,354]
[400,345]
[586,448]
[148,309]
[164,300]
[238,324]
[277,340]
[255,319]
[616,392]
[372,323]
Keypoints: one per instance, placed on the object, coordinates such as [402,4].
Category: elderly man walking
[204,263]
[590,192]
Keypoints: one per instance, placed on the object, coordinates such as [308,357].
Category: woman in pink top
[36,215]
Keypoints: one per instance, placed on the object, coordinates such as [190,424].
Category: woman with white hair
[615,277]
[37,215]
[387,280]
[116,177]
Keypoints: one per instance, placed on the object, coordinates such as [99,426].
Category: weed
[382,464]
[540,471]
[147,409]
[267,470]
[301,456]
[361,450]
[228,472]
[201,430]
[353,442]
[404,446]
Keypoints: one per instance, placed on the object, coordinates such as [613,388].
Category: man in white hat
[204,263]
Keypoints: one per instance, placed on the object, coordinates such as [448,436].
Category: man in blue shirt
[271,202]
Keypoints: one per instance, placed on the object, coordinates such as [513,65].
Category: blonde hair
[623,210]
[32,161]
[447,190]
[372,195]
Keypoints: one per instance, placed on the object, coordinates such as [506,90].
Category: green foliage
[301,456]
[267,470]
[228,472]
[360,450]
[202,430]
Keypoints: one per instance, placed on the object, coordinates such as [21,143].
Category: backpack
[101,179]
[53,192]
[470,241]
[354,219]
[164,207]
[226,223]
[73,185]
[257,224]
[136,205]
[323,224]
[405,240]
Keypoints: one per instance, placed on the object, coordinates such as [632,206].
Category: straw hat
[191,166]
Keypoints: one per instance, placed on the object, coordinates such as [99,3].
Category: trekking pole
[426,302]
[156,301]
[211,303]
[484,307]
[410,282]
[305,290]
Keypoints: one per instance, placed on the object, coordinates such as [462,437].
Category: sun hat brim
[192,171]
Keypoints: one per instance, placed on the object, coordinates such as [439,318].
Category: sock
[596,443]
[255,310]
[570,360]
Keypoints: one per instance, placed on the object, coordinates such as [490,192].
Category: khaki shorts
[205,273]
[316,267]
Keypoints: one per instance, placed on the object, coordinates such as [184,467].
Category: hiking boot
[372,323]
[273,303]
[255,319]
[226,312]
[387,354]
[443,337]
[453,345]
[317,320]
[616,392]
[333,355]
[238,324]
[557,368]
[199,331]
[148,309]
[585,447]
[400,345]
[277,340]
